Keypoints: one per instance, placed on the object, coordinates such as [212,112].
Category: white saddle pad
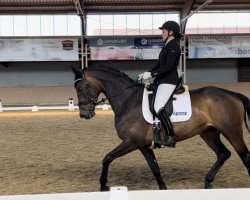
[182,107]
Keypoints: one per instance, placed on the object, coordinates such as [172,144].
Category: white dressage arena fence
[1,107]
[121,193]
[70,107]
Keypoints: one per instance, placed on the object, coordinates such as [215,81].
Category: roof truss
[72,6]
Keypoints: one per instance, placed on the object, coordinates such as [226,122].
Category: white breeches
[164,91]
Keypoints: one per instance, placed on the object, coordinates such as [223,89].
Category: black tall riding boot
[166,123]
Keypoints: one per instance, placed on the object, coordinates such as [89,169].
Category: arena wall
[212,71]
[26,74]
[19,74]
[198,70]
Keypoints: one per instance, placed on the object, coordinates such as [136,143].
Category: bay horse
[215,111]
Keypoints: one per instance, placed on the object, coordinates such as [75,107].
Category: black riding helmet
[172,26]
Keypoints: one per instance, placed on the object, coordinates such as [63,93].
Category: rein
[116,93]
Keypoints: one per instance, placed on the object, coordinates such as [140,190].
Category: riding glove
[146,75]
[145,79]
[139,78]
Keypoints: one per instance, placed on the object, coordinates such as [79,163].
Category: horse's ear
[77,72]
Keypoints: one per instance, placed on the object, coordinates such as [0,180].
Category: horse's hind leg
[240,147]
[150,157]
[246,160]
[212,139]
[122,149]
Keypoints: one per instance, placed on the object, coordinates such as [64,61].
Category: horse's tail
[246,102]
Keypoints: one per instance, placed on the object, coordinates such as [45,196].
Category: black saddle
[169,105]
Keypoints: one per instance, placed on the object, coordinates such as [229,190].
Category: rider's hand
[146,75]
[139,78]
[147,82]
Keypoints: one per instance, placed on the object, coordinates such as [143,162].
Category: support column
[80,10]
[185,14]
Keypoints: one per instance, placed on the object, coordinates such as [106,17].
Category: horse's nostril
[81,116]
[88,117]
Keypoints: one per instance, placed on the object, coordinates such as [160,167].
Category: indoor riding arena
[47,148]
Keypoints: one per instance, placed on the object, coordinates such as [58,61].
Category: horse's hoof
[105,188]
[163,188]
[208,186]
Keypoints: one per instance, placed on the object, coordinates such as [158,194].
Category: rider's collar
[168,40]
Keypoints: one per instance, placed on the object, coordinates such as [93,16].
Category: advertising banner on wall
[147,48]
[112,49]
[39,50]
[218,46]
[143,48]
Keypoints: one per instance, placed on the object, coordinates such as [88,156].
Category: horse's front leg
[150,157]
[122,149]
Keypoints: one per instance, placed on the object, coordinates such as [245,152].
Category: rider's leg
[160,101]
[166,123]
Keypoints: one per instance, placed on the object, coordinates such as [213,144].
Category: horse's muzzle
[87,116]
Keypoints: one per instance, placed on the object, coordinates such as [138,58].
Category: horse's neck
[116,89]
[117,94]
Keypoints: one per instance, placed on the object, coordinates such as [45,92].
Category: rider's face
[164,34]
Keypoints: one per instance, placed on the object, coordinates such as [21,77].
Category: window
[133,25]
[47,25]
[192,25]
[127,24]
[39,25]
[219,22]
[107,25]
[217,19]
[74,25]
[243,20]
[146,21]
[158,20]
[230,22]
[34,25]
[7,25]
[20,28]
[93,25]
[60,25]
[120,25]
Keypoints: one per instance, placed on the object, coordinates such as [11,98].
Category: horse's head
[87,91]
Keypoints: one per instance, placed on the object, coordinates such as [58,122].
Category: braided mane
[111,70]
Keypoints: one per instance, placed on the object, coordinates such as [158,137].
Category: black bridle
[90,99]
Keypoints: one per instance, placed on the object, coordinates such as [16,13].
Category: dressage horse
[215,111]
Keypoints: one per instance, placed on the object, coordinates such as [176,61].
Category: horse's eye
[80,88]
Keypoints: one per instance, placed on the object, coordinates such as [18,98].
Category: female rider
[166,75]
